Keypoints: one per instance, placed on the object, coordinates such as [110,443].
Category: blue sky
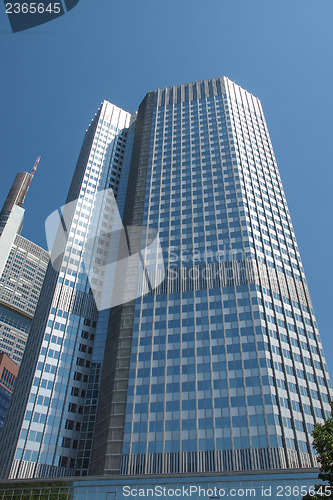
[55,76]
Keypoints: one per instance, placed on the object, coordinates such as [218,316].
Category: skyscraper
[22,269]
[225,366]
[218,368]
[51,389]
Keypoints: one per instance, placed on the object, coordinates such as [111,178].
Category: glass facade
[220,367]
[8,374]
[226,368]
[53,382]
[5,396]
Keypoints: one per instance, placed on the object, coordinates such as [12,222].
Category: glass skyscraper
[218,368]
[52,385]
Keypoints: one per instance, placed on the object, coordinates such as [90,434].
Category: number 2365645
[33,8]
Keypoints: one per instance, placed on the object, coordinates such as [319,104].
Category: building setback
[220,368]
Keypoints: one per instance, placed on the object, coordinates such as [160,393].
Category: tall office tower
[218,368]
[225,368]
[52,386]
[22,270]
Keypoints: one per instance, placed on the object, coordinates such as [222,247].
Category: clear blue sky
[55,76]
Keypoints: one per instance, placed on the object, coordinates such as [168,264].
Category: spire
[31,177]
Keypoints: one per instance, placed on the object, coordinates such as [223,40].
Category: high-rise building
[22,270]
[54,378]
[218,368]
